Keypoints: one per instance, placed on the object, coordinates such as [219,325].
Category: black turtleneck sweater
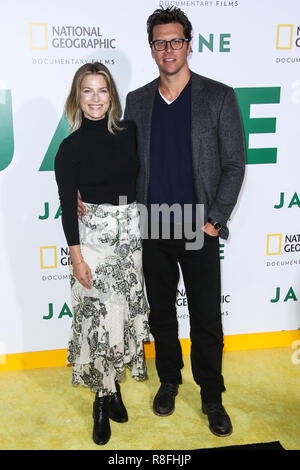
[103,166]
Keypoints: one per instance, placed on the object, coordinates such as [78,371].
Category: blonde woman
[110,312]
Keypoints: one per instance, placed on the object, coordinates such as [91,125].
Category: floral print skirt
[110,321]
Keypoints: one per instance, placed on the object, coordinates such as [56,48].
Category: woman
[109,307]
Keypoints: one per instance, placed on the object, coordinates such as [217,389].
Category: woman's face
[94,97]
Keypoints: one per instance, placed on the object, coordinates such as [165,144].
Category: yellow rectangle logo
[38,36]
[284,38]
[48,256]
[274,244]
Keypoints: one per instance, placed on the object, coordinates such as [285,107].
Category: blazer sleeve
[127,112]
[232,159]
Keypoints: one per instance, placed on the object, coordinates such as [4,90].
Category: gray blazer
[218,149]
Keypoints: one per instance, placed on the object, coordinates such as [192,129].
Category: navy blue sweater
[171,172]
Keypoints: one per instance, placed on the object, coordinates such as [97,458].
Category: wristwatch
[217,226]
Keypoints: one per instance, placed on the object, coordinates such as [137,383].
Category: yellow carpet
[40,409]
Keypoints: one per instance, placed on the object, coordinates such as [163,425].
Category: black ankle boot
[117,410]
[101,430]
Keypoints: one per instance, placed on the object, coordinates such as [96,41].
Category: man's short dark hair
[166,16]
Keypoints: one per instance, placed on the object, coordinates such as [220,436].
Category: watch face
[217,225]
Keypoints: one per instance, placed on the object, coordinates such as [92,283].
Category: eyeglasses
[161,44]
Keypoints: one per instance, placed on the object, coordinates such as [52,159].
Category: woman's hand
[83,274]
[81,269]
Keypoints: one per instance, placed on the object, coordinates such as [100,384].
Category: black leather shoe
[219,421]
[101,430]
[164,401]
[117,410]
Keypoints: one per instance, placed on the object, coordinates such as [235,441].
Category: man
[191,147]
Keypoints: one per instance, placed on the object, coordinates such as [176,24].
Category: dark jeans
[201,275]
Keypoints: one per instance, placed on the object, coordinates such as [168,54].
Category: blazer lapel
[146,119]
[201,122]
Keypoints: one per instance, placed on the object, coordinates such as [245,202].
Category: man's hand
[210,230]
[80,206]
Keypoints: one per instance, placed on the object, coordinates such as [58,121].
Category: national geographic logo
[285,36]
[44,37]
[279,244]
[287,39]
[181,301]
[276,243]
[52,258]
[48,257]
[38,34]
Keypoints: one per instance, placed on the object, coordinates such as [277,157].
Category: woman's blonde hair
[72,108]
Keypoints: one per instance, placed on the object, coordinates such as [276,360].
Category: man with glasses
[191,147]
